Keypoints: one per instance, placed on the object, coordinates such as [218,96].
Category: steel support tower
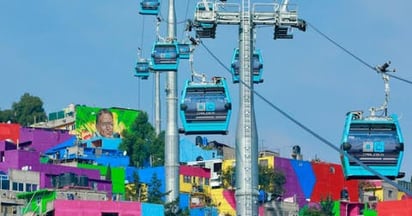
[172,135]
[246,135]
[247,16]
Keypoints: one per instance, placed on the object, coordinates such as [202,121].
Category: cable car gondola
[149,7]
[205,30]
[184,50]
[205,20]
[375,141]
[165,56]
[205,107]
[257,66]
[142,69]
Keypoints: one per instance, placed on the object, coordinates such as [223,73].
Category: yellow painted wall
[187,187]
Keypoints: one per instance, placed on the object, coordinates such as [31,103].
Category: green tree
[154,194]
[270,179]
[136,191]
[313,211]
[25,112]
[172,209]
[228,178]
[156,150]
[324,209]
[7,115]
[109,173]
[142,144]
[326,205]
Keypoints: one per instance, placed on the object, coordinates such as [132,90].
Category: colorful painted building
[49,155]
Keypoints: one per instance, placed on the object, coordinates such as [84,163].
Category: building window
[5,184]
[31,187]
[4,177]
[14,187]
[263,163]
[28,187]
[21,187]
[206,181]
[186,179]
[390,193]
[200,180]
[110,214]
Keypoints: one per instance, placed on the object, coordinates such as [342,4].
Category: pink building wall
[96,208]
[194,171]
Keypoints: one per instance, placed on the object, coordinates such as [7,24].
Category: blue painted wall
[305,175]
[189,151]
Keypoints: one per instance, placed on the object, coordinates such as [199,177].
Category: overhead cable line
[186,13]
[142,33]
[307,129]
[353,55]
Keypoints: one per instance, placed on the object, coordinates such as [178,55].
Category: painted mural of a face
[104,123]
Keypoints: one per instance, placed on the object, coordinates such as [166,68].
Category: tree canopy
[271,180]
[142,144]
[27,111]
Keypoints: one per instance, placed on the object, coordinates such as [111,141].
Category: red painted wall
[330,181]
[395,208]
[10,131]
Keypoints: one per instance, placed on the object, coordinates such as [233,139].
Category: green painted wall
[118,176]
[41,197]
[336,208]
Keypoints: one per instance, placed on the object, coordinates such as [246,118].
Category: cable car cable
[307,129]
[353,55]
[344,49]
[142,33]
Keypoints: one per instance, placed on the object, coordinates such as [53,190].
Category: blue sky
[84,52]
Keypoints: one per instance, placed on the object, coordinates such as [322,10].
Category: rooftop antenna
[383,69]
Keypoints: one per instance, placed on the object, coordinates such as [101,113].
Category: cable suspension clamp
[383,69]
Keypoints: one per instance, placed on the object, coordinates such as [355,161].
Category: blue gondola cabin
[184,50]
[165,56]
[205,108]
[142,69]
[257,66]
[149,7]
[375,141]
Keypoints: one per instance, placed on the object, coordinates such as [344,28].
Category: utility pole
[246,135]
[157,102]
[172,135]
[247,16]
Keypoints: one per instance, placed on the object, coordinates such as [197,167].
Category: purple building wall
[16,159]
[6,145]
[32,143]
[291,187]
[50,170]
[43,139]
